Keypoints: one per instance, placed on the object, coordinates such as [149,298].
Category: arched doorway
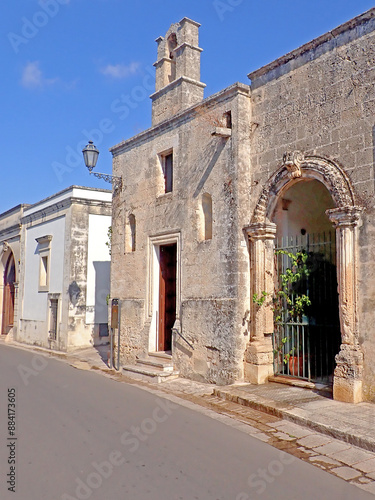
[306,335]
[345,219]
[8,295]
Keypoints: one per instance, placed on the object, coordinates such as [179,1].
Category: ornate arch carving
[296,165]
[345,217]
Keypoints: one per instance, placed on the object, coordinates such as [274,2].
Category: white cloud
[32,76]
[120,71]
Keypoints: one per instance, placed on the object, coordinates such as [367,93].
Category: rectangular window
[168,172]
[44,249]
[43,276]
[103,330]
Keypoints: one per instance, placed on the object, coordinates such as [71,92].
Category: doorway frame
[8,297]
[155,242]
[346,219]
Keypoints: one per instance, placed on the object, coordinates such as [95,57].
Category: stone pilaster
[14,330]
[348,375]
[259,353]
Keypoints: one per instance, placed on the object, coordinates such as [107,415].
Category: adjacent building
[10,248]
[218,190]
[56,265]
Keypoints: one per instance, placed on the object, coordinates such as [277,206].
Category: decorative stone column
[347,384]
[259,352]
[13,332]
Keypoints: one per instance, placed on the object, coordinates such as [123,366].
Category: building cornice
[11,232]
[327,42]
[63,206]
[176,83]
[189,113]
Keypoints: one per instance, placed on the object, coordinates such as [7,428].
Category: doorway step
[156,367]
[7,337]
[321,388]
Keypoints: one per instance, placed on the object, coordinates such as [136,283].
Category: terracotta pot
[296,366]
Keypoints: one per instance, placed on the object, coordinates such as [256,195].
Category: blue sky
[80,69]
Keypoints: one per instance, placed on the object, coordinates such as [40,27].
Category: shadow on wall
[102,288]
[74,292]
[217,151]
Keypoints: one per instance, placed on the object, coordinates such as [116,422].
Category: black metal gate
[306,339]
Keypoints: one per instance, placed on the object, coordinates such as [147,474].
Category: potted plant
[289,303]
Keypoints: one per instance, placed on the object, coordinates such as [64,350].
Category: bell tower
[178,84]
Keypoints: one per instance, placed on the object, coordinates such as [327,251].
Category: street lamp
[90,156]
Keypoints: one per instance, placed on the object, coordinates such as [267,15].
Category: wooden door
[8,296]
[167,295]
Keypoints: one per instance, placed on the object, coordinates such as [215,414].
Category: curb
[287,414]
[69,357]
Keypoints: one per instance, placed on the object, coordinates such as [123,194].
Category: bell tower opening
[171,45]
[177,79]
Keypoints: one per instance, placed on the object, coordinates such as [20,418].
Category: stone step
[161,355]
[156,364]
[142,372]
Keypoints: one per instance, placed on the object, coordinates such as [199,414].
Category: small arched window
[207,216]
[172,44]
[132,227]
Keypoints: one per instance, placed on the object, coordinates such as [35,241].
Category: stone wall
[212,273]
[320,100]
[308,115]
[79,333]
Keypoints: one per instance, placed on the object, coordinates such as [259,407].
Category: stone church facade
[215,184]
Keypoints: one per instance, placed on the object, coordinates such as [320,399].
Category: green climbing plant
[289,301]
[109,241]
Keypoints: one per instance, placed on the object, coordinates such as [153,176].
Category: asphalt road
[81,435]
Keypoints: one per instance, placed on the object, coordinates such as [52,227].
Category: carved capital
[292,161]
[261,231]
[346,216]
[5,246]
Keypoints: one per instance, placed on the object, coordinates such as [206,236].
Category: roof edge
[313,44]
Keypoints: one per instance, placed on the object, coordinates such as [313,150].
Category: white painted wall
[98,269]
[35,303]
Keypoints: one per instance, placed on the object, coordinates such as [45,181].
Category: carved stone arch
[346,218]
[297,166]
[8,290]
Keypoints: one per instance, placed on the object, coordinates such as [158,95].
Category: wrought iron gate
[305,344]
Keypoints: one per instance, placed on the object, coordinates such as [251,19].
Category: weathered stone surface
[306,117]
[346,472]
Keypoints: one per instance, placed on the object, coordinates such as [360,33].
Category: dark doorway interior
[167,295]
[305,345]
